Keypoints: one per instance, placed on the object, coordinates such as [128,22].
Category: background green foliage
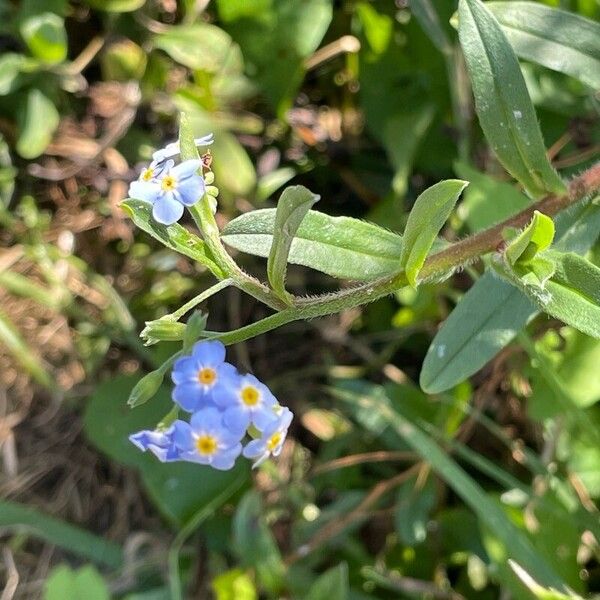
[446,441]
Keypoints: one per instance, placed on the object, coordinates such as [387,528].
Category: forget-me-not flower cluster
[225,408]
[169,187]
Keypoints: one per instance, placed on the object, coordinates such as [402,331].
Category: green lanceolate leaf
[487,318]
[427,217]
[557,39]
[492,312]
[18,517]
[503,105]
[293,206]
[339,246]
[536,237]
[424,11]
[573,293]
[173,236]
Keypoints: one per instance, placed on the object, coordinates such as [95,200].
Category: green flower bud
[146,388]
[195,326]
[165,329]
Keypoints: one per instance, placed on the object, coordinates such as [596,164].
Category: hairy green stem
[205,220]
[213,289]
[437,265]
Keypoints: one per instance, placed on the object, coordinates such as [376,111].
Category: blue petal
[207,419]
[185,370]
[236,419]
[191,190]
[183,436]
[210,353]
[189,396]
[263,417]
[147,191]
[223,461]
[255,448]
[167,210]
[186,169]
[206,140]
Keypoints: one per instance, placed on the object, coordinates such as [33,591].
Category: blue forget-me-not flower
[174,188]
[246,400]
[208,441]
[272,438]
[160,443]
[201,377]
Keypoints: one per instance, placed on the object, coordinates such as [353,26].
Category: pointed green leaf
[293,206]
[173,236]
[503,105]
[556,39]
[332,585]
[573,293]
[536,237]
[18,517]
[430,212]
[339,246]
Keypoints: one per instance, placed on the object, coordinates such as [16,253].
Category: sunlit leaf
[294,204]
[339,246]
[557,39]
[431,210]
[503,105]
[173,236]
[46,37]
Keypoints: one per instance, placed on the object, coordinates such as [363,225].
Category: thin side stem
[221,285]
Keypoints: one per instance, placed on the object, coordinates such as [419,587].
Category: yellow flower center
[169,183]
[207,376]
[273,441]
[206,444]
[147,174]
[250,395]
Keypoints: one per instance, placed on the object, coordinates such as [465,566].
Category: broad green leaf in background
[573,293]
[174,236]
[492,312]
[535,237]
[254,543]
[37,119]
[293,206]
[199,46]
[179,490]
[430,212]
[401,135]
[85,583]
[503,105]
[557,39]
[490,514]
[275,40]
[20,518]
[339,246]
[414,504]
[487,201]
[116,5]
[11,66]
[45,36]
[332,585]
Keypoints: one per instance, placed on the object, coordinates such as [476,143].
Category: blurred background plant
[366,103]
